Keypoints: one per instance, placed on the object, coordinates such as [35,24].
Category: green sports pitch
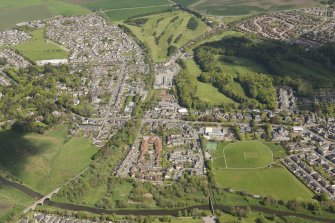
[244,155]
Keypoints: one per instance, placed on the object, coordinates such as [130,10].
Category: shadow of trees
[15,150]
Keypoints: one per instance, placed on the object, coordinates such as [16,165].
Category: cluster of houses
[50,218]
[13,37]
[143,163]
[301,25]
[325,131]
[314,170]
[285,98]
[113,64]
[157,159]
[324,33]
[319,11]
[166,108]
[13,58]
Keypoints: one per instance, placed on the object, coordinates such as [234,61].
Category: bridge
[41,200]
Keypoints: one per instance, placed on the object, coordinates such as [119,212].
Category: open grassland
[164,26]
[43,162]
[38,48]
[205,91]
[276,182]
[15,11]
[245,154]
[242,7]
[12,202]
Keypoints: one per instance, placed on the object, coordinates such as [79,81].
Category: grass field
[15,11]
[162,25]
[205,91]
[12,202]
[119,10]
[245,154]
[43,162]
[245,160]
[242,7]
[276,182]
[38,48]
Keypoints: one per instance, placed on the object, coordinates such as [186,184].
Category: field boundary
[140,7]
[243,168]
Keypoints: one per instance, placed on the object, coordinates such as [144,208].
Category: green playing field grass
[276,182]
[38,48]
[245,154]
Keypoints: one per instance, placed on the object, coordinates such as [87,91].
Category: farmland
[43,162]
[38,48]
[157,30]
[12,202]
[240,7]
[120,10]
[15,11]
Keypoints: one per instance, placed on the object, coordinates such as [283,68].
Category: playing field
[242,7]
[245,154]
[38,48]
[44,162]
[276,182]
[243,166]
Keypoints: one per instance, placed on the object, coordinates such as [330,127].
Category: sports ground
[248,166]
[246,154]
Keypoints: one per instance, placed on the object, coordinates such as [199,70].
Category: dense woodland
[283,61]
[33,97]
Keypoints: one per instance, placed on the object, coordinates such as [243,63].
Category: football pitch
[248,166]
[244,155]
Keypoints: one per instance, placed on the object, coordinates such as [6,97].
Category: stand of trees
[192,24]
[279,59]
[33,97]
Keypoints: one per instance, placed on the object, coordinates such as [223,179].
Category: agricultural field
[12,202]
[244,155]
[15,11]
[43,162]
[119,10]
[246,171]
[38,48]
[241,7]
[159,29]
[118,15]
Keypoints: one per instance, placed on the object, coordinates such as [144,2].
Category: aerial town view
[181,111]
